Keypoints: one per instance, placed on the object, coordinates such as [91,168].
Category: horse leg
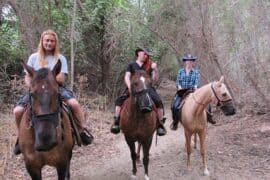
[63,168]
[132,149]
[138,152]
[195,140]
[202,136]
[67,175]
[63,172]
[34,171]
[188,146]
[146,147]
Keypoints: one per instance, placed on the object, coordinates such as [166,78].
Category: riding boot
[86,137]
[176,119]
[174,126]
[210,118]
[161,131]
[115,128]
[17,149]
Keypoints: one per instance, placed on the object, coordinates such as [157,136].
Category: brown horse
[138,120]
[45,136]
[194,119]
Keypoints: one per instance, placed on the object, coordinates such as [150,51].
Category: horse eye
[224,95]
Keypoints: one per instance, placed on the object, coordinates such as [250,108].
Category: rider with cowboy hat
[187,80]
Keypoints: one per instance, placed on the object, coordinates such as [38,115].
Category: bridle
[50,117]
[139,93]
[220,102]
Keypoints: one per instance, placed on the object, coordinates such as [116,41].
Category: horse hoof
[146,177]
[206,172]
[133,176]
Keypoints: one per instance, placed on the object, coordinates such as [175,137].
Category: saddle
[74,126]
[178,102]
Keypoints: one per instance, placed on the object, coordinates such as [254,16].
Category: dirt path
[238,148]
[119,166]
[230,156]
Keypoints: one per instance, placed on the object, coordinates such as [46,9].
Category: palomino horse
[45,136]
[138,120]
[194,119]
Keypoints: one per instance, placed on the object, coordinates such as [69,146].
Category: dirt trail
[237,148]
[119,166]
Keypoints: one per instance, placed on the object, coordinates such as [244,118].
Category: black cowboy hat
[141,49]
[189,57]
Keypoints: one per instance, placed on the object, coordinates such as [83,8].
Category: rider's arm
[178,78]
[127,79]
[60,78]
[197,79]
[27,80]
[154,73]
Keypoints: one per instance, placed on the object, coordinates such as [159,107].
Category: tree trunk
[28,30]
[72,55]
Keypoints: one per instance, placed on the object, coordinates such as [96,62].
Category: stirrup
[115,129]
[210,119]
[161,131]
[86,137]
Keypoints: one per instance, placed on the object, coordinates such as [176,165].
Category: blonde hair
[41,51]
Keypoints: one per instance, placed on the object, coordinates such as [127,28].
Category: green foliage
[10,46]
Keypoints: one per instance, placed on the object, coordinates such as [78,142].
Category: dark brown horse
[194,119]
[45,136]
[138,120]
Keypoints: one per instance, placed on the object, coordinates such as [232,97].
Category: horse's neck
[134,112]
[133,107]
[202,96]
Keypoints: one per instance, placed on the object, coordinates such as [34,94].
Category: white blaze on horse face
[144,86]
[143,81]
[43,86]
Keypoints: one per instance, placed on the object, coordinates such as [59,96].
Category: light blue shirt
[33,62]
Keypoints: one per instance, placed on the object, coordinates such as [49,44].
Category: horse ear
[221,79]
[57,68]
[29,69]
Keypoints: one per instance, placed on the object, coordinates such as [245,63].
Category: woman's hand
[154,65]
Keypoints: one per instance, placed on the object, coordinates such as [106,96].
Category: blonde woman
[46,56]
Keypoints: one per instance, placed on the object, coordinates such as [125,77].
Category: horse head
[222,97]
[140,85]
[44,105]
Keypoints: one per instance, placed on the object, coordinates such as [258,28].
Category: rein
[196,100]
[213,90]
